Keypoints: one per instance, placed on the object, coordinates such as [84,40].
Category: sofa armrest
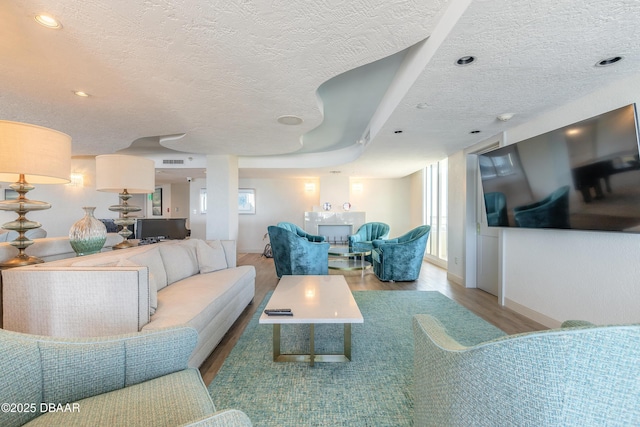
[227,418]
[75,301]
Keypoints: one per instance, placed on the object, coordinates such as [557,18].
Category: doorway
[483,243]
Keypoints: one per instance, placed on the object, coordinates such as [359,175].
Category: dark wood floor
[431,278]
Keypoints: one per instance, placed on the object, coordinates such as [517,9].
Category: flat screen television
[161,228]
[584,176]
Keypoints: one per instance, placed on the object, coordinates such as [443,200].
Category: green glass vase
[87,235]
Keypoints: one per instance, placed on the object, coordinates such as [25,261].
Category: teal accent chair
[496,204]
[300,232]
[576,376]
[293,254]
[367,233]
[138,379]
[400,259]
[550,212]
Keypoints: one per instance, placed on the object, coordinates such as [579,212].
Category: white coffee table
[313,299]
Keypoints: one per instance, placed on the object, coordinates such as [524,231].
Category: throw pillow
[180,260]
[211,256]
[153,260]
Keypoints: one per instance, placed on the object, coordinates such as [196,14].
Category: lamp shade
[118,172]
[43,155]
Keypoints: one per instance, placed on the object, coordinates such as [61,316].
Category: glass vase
[87,235]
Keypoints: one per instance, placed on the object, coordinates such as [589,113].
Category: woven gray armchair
[137,379]
[581,375]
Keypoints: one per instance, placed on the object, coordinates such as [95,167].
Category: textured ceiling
[215,75]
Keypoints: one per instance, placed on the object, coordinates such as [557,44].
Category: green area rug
[374,389]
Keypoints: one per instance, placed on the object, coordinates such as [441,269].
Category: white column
[222,197]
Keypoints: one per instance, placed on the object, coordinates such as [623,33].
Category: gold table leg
[312,357]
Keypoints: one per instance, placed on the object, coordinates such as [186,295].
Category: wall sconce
[357,187]
[77,180]
[310,187]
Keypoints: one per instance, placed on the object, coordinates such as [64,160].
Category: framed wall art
[246,201]
[156,202]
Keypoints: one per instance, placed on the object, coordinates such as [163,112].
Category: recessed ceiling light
[608,61]
[48,21]
[82,94]
[474,131]
[289,120]
[465,60]
[397,131]
[422,106]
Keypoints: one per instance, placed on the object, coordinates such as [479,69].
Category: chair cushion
[173,399]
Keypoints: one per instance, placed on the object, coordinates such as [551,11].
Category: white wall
[554,275]
[456,230]
[67,201]
[276,200]
[385,200]
[197,219]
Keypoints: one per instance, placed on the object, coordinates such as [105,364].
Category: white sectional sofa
[187,282]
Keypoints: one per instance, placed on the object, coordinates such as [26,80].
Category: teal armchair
[579,375]
[137,379]
[400,259]
[300,232]
[367,233]
[293,254]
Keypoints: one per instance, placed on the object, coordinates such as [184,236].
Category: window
[435,210]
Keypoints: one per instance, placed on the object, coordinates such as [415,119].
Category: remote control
[278,312]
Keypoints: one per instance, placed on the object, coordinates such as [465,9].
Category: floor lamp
[30,155]
[125,175]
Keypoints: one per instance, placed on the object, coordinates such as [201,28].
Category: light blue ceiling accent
[349,101]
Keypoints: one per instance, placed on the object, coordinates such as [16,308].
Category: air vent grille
[172,162]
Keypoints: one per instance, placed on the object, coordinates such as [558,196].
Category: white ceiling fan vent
[172,162]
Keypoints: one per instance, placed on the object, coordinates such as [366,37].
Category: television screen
[165,228]
[584,176]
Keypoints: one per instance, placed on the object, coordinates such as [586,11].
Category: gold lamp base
[21,206]
[124,221]
[20,261]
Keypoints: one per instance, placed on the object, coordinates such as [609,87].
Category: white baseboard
[455,279]
[532,314]
[250,251]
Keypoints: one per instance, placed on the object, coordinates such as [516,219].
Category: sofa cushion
[180,260]
[153,260]
[211,256]
[196,300]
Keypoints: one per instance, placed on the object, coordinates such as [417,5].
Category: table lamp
[29,155]
[125,175]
